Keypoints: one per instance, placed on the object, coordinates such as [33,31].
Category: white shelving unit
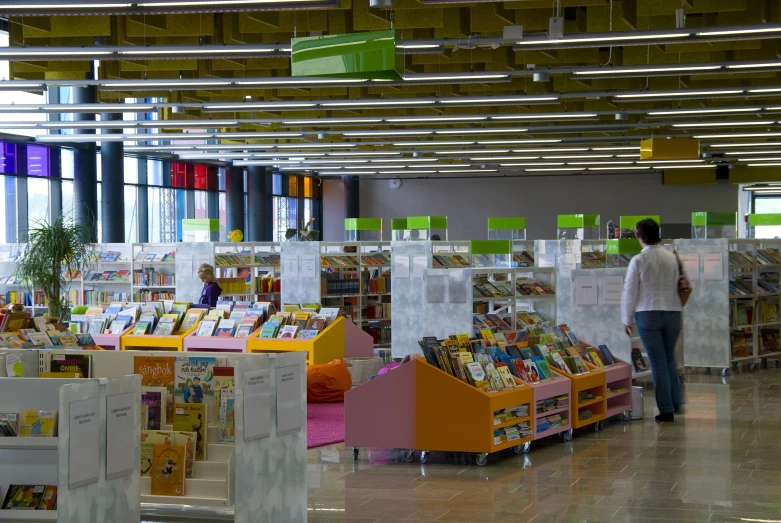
[250,261]
[116,290]
[141,268]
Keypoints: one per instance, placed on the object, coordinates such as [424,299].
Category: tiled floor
[720,461]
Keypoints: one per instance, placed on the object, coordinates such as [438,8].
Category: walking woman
[654,291]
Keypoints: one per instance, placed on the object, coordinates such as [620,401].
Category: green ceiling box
[502,224]
[714,218]
[577,221]
[200,230]
[426,222]
[363,224]
[398,224]
[370,55]
[490,247]
[764,219]
[630,222]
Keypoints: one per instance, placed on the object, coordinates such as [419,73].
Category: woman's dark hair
[648,231]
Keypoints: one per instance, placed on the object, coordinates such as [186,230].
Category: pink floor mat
[324,424]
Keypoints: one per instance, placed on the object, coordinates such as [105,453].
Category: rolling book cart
[215,343]
[327,346]
[547,390]
[619,375]
[173,343]
[593,383]
[403,409]
[110,341]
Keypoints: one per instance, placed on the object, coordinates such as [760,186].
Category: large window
[764,205]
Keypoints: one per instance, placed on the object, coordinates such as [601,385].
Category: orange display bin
[174,343]
[327,346]
[594,381]
[449,415]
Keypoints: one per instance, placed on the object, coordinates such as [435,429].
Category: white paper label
[712,268]
[401,267]
[419,266]
[458,286]
[691,265]
[13,365]
[567,263]
[120,435]
[289,410]
[184,266]
[308,267]
[612,289]
[84,442]
[585,291]
[546,260]
[257,404]
[291,267]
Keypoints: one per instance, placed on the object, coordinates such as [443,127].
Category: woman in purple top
[211,289]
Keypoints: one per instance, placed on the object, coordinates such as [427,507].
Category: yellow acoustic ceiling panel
[669,149]
[745,174]
[689,177]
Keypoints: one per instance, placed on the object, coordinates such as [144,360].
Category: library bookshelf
[326,346]
[173,343]
[594,383]
[404,409]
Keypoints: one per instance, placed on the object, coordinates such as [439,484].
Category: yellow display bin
[173,343]
[323,348]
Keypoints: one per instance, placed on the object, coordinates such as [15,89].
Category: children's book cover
[157,371]
[23,497]
[195,380]
[150,438]
[226,431]
[187,439]
[168,470]
[223,381]
[38,423]
[193,418]
[154,399]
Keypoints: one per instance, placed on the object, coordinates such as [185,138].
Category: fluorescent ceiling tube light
[434,119]
[771,159]
[724,124]
[359,134]
[463,76]
[557,169]
[540,164]
[767,90]
[617,168]
[418,46]
[365,153]
[239,106]
[467,171]
[482,131]
[657,94]
[406,172]
[359,103]
[764,164]
[543,116]
[617,70]
[549,150]
[411,160]
[601,163]
[166,83]
[671,161]
[734,135]
[754,66]
[472,151]
[489,100]
[311,145]
[745,144]
[330,121]
[750,152]
[741,32]
[577,157]
[684,166]
[509,142]
[340,173]
[85,5]
[704,111]
[500,158]
[193,3]
[301,81]
[432,143]
[615,39]
[617,148]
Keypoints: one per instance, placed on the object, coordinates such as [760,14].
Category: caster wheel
[724,373]
[522,449]
[596,426]
[778,363]
[481,460]
[568,434]
[752,367]
[409,455]
[626,416]
[763,364]
[423,457]
[355,453]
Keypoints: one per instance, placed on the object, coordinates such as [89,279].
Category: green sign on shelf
[363,224]
[630,222]
[426,222]
[491,247]
[764,219]
[398,224]
[506,224]
[623,246]
[577,221]
[200,224]
[714,218]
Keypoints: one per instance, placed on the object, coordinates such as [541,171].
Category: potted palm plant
[53,253]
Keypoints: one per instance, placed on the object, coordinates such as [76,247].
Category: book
[141,328]
[9,424]
[157,371]
[223,381]
[165,328]
[187,439]
[154,399]
[206,328]
[225,328]
[38,423]
[23,497]
[269,329]
[226,424]
[638,361]
[39,338]
[191,319]
[150,438]
[192,417]
[288,332]
[194,379]
[49,499]
[308,334]
[609,358]
[97,326]
[80,363]
[243,331]
[168,470]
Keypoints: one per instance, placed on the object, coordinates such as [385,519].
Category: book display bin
[174,342]
[548,389]
[619,375]
[327,346]
[215,343]
[238,481]
[404,409]
[111,341]
[46,460]
[595,384]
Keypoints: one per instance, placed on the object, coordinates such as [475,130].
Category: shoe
[665,417]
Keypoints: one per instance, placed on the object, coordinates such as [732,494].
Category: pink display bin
[109,341]
[619,375]
[550,389]
[215,344]
[357,342]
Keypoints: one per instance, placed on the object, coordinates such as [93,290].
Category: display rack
[327,346]
[578,227]
[13,290]
[174,342]
[192,342]
[116,275]
[546,390]
[754,316]
[153,279]
[110,341]
[250,261]
[405,409]
[619,376]
[593,382]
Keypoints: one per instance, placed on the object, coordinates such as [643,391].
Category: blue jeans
[659,331]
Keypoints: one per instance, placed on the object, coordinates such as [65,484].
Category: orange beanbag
[327,383]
